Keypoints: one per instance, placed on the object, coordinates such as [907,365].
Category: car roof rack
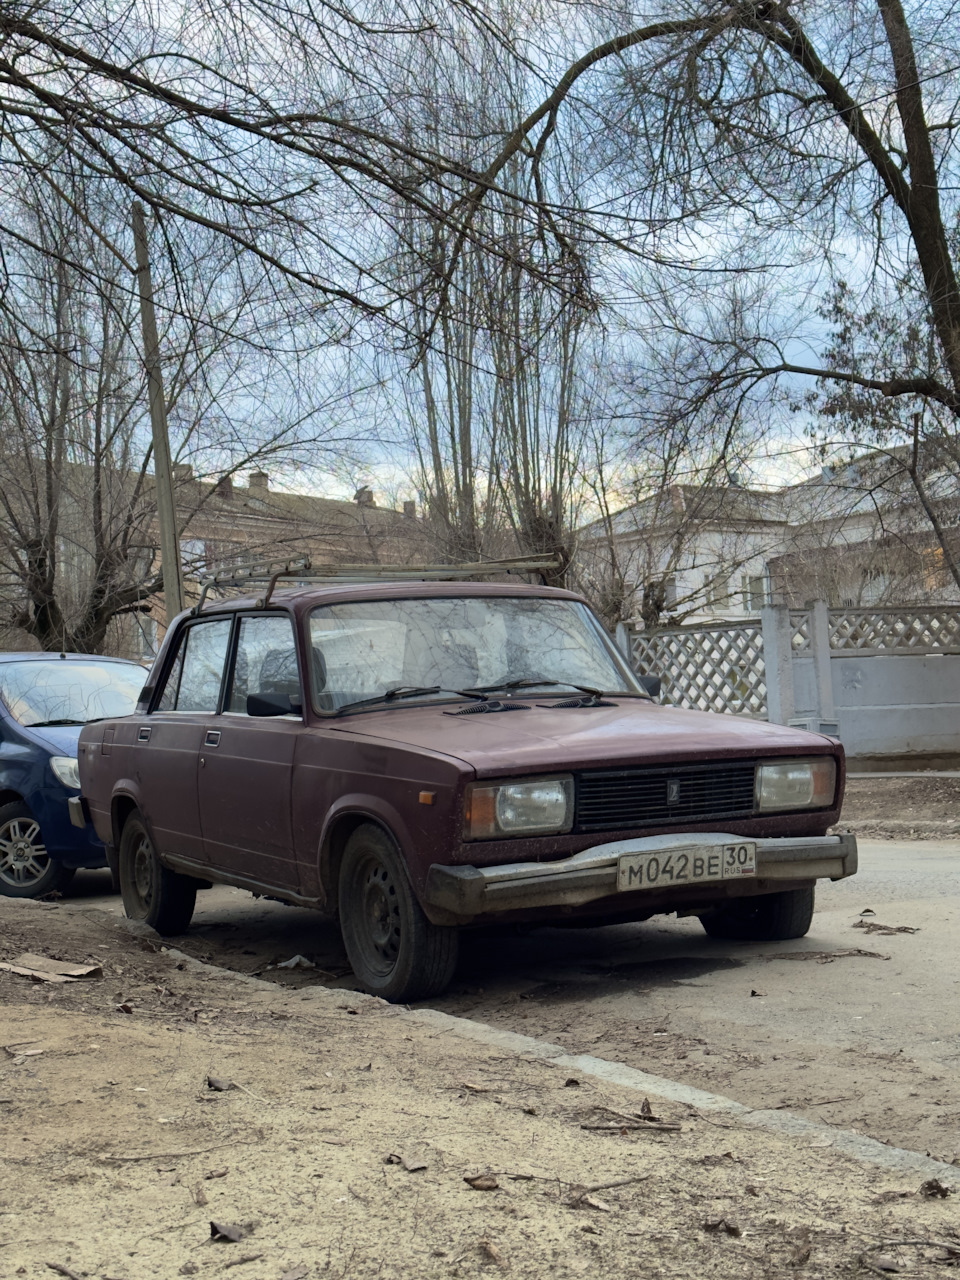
[302,571]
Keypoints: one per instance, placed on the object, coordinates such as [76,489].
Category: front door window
[266,661]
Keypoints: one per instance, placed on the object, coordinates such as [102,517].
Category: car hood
[547,738]
[59,739]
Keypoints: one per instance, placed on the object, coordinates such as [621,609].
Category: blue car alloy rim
[23,857]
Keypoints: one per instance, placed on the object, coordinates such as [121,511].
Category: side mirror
[273,704]
[651,684]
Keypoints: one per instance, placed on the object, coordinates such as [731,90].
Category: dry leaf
[482,1181]
[226,1231]
[933,1189]
[408,1162]
[299,1272]
[722,1226]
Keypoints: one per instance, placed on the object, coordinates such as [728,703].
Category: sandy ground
[117,1155]
[887,807]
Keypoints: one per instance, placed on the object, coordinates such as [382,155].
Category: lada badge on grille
[673,791]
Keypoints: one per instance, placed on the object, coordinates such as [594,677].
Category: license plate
[688,864]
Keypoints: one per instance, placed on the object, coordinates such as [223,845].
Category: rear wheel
[152,892]
[394,950]
[769,917]
[26,869]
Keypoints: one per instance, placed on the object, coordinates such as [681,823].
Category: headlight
[796,784]
[67,770]
[539,806]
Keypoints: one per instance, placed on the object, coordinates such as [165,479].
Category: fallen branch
[636,1127]
[621,1182]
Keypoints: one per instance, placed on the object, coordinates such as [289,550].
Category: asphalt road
[855,1026]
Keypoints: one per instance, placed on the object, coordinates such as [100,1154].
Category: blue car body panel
[25,774]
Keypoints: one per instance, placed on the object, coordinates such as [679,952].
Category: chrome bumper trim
[465,892]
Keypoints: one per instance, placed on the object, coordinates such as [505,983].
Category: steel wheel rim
[379,932]
[143,878]
[23,856]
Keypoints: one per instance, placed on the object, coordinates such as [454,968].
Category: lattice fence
[886,630]
[716,668]
[801,639]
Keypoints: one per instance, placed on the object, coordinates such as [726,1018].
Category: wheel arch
[340,827]
[121,806]
[9,796]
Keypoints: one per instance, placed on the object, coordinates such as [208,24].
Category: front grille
[619,799]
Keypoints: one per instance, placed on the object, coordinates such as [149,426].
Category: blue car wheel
[26,869]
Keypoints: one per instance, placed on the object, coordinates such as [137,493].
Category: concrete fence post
[820,648]
[778,662]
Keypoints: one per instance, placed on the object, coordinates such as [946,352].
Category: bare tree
[77,501]
[758,145]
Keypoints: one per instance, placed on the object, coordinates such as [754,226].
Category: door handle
[144,734]
[212,738]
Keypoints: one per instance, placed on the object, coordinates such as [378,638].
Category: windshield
[68,692]
[365,648]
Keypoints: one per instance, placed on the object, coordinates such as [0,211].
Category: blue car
[45,700]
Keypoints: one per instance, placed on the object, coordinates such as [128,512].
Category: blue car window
[69,691]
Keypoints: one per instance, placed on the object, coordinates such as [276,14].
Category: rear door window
[196,675]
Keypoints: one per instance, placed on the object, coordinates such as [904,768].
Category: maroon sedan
[421,756]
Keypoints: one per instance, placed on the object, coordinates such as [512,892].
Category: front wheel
[26,869]
[152,892]
[768,917]
[393,949]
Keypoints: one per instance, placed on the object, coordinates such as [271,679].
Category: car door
[166,750]
[246,762]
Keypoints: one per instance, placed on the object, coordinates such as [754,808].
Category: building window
[718,592]
[754,592]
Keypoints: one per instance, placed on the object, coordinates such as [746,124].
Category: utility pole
[163,469]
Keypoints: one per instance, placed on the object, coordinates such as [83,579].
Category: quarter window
[197,672]
[266,660]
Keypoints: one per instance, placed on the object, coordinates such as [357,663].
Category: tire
[151,892]
[393,949]
[769,917]
[26,869]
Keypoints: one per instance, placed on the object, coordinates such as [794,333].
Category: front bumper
[462,893]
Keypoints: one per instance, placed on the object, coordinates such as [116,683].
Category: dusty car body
[352,748]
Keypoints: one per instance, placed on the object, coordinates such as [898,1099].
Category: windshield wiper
[518,684]
[48,724]
[400,691]
[595,695]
